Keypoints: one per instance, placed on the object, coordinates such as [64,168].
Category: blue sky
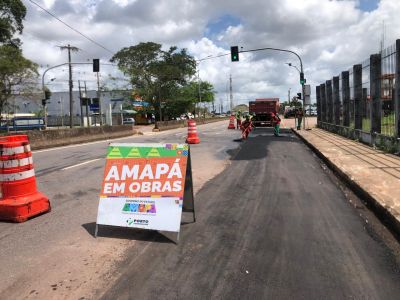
[220,24]
[368,5]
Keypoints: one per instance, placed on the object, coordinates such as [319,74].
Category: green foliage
[12,14]
[155,73]
[160,76]
[17,74]
[366,124]
[192,90]
[241,108]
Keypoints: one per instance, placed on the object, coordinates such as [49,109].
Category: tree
[187,96]
[12,14]
[17,74]
[241,108]
[156,74]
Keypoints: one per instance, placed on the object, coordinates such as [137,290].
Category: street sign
[94,107]
[146,186]
[307,94]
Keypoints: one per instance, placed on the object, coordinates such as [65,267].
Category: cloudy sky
[330,36]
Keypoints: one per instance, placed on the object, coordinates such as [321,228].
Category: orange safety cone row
[192,137]
[19,198]
[231,122]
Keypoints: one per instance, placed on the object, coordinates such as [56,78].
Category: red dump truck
[262,110]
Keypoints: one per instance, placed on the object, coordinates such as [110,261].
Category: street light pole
[302,91]
[289,51]
[198,80]
[230,93]
[43,85]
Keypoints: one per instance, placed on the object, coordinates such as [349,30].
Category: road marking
[84,163]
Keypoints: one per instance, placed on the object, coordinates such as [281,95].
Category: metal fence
[388,67]
[365,98]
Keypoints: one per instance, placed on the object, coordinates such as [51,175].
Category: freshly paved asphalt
[273,225]
[55,256]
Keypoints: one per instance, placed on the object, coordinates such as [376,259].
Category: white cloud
[330,36]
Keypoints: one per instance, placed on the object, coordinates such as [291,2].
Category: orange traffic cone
[231,122]
[192,137]
[19,198]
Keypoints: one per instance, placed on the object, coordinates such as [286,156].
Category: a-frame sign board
[146,186]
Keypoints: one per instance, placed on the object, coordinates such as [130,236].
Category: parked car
[128,121]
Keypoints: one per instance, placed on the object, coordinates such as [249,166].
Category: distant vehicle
[23,123]
[187,116]
[313,111]
[128,121]
[262,110]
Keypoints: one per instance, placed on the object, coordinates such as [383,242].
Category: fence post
[336,100]
[375,88]
[357,85]
[397,91]
[364,105]
[323,102]
[318,94]
[346,98]
[329,102]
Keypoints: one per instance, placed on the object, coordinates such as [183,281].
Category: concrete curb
[373,204]
[59,143]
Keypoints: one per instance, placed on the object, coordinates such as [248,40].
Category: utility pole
[71,102]
[288,97]
[199,91]
[80,102]
[87,106]
[230,92]
[98,97]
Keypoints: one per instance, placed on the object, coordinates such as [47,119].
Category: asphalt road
[55,256]
[272,225]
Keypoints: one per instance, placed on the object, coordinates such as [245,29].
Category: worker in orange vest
[246,127]
[238,120]
[276,120]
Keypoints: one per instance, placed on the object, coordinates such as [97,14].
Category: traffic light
[302,80]
[298,95]
[234,53]
[47,94]
[96,65]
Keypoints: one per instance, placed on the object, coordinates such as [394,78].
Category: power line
[69,26]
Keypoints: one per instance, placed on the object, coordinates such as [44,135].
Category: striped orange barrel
[19,196]
[192,137]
